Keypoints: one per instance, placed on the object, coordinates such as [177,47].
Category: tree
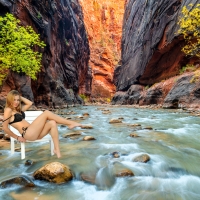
[190,28]
[16,48]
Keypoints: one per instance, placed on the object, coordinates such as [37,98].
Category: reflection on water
[172,172]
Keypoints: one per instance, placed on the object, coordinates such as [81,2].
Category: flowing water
[173,172]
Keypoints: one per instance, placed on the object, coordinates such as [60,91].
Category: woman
[41,126]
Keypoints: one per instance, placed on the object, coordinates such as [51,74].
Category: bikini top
[17,117]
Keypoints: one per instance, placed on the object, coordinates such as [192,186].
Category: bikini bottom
[24,131]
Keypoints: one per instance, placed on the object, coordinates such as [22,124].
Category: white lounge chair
[30,116]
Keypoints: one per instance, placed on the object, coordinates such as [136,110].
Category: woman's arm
[27,103]
[7,114]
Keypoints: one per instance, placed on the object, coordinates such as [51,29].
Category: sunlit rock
[80,117]
[125,172]
[87,138]
[142,158]
[54,172]
[133,135]
[86,114]
[113,121]
[134,125]
[20,180]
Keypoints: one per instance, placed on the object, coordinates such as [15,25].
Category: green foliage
[187,68]
[84,97]
[147,87]
[190,28]
[195,77]
[16,48]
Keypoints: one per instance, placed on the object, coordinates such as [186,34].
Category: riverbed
[169,137]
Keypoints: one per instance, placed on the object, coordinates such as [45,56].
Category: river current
[173,145]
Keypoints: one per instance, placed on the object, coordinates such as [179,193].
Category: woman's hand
[21,139]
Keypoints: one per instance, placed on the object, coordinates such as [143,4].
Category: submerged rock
[125,172]
[88,178]
[54,172]
[144,158]
[148,128]
[20,180]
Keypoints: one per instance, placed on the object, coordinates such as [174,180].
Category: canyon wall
[152,56]
[65,59]
[103,21]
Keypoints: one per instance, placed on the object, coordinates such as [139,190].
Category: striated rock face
[151,52]
[103,21]
[65,57]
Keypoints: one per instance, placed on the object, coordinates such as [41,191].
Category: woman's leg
[49,127]
[47,115]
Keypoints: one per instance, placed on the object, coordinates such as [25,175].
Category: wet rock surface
[20,180]
[54,172]
[144,158]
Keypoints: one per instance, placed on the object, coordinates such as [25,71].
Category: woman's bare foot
[73,125]
[57,153]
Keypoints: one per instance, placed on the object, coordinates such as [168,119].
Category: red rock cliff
[151,53]
[65,57]
[103,21]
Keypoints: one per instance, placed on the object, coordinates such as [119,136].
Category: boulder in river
[144,158]
[20,180]
[54,172]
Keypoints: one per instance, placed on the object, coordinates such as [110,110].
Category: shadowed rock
[20,180]
[73,134]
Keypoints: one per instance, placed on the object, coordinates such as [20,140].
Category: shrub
[16,48]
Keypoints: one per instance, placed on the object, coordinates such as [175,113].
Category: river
[173,172]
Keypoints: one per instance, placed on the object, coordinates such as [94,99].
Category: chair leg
[52,147]
[22,150]
[12,145]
